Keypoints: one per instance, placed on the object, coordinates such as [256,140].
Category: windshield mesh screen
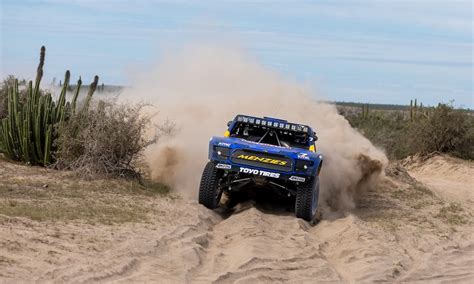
[270,135]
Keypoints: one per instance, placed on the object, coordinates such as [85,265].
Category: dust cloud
[200,88]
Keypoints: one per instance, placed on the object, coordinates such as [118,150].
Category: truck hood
[234,143]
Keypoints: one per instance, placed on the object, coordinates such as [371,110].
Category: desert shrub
[94,139]
[438,129]
[107,140]
[387,130]
[29,128]
[465,148]
[444,129]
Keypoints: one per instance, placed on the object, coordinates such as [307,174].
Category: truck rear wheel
[307,196]
[209,191]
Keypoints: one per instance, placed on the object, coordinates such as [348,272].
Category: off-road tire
[209,193]
[304,200]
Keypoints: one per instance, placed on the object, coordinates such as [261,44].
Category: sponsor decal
[295,178]
[303,156]
[263,160]
[223,166]
[223,144]
[259,172]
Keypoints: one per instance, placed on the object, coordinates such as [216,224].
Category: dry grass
[91,212]
[452,214]
[416,196]
[400,200]
[47,195]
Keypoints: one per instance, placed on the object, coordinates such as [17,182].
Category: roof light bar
[276,124]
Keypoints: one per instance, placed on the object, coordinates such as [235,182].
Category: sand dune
[396,233]
[449,177]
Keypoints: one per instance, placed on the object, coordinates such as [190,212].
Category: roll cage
[271,131]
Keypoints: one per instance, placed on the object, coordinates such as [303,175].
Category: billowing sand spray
[200,88]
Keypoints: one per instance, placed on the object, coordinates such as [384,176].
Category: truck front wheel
[307,196]
[209,191]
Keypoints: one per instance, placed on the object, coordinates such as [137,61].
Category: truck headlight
[302,165]
[222,151]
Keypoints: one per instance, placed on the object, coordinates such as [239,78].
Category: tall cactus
[29,130]
[365,111]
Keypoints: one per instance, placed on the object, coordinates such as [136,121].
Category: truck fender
[319,164]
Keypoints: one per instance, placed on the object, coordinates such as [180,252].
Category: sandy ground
[401,231]
[449,177]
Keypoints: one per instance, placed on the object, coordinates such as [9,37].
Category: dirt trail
[400,231]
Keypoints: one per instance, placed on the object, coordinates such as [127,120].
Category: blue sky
[365,51]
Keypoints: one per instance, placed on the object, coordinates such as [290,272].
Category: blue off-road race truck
[265,152]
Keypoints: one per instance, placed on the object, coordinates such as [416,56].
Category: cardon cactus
[28,132]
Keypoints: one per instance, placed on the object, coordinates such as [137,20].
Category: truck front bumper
[257,171]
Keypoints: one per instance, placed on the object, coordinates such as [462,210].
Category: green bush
[444,129]
[387,130]
[437,129]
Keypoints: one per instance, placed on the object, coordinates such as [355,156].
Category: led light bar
[275,124]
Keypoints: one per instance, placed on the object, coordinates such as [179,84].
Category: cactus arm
[39,71]
[47,146]
[76,95]
[62,97]
[92,88]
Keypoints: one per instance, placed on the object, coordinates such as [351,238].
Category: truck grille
[261,159]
